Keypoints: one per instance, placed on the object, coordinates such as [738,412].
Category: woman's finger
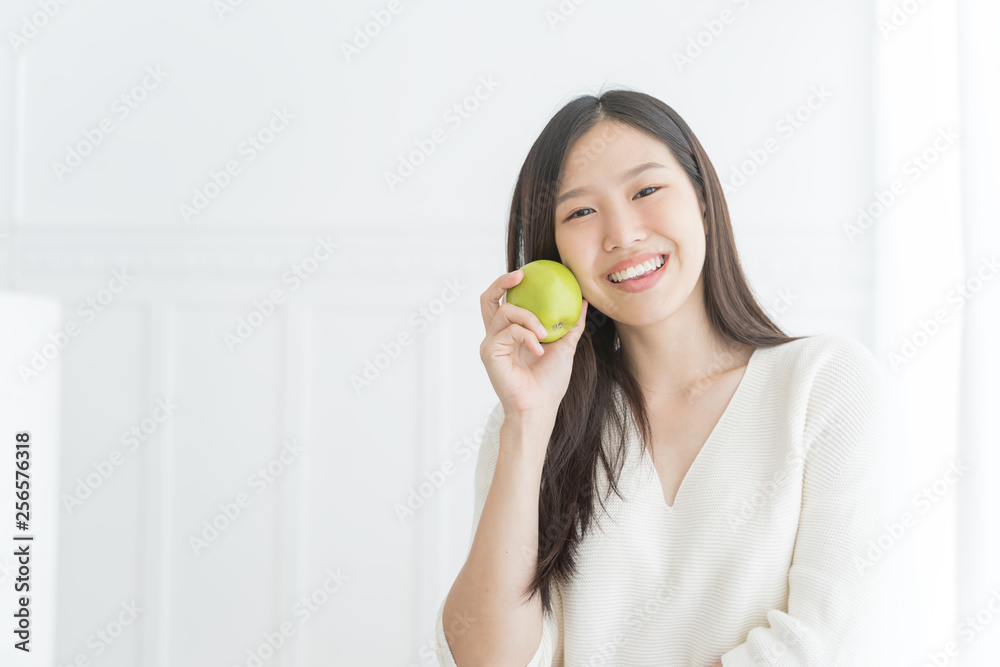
[490,300]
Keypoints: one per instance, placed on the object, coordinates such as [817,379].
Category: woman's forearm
[490,584]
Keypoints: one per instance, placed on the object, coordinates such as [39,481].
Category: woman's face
[606,220]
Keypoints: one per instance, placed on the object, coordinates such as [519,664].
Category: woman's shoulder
[829,372]
[828,354]
[833,377]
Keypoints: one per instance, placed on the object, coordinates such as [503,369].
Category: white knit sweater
[762,558]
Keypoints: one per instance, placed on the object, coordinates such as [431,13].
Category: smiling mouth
[624,277]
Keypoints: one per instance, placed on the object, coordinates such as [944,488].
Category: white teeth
[638,270]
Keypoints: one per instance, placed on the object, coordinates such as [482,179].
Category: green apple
[550,291]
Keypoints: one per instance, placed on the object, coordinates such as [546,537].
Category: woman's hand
[530,378]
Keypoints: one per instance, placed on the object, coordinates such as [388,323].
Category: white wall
[162,336]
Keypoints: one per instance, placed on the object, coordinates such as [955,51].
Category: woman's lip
[637,258]
[664,255]
[644,282]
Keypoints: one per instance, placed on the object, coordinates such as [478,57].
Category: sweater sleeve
[833,604]
[548,649]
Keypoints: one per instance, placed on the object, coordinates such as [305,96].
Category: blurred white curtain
[978,543]
[936,243]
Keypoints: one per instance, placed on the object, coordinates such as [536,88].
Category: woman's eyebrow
[630,174]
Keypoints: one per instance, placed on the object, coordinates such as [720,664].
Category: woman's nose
[622,228]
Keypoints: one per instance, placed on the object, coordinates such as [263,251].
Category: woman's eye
[654,188]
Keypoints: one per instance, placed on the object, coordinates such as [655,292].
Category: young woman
[745,463]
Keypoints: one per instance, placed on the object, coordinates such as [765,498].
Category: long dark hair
[569,474]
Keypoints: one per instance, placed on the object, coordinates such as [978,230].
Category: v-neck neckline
[722,422]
